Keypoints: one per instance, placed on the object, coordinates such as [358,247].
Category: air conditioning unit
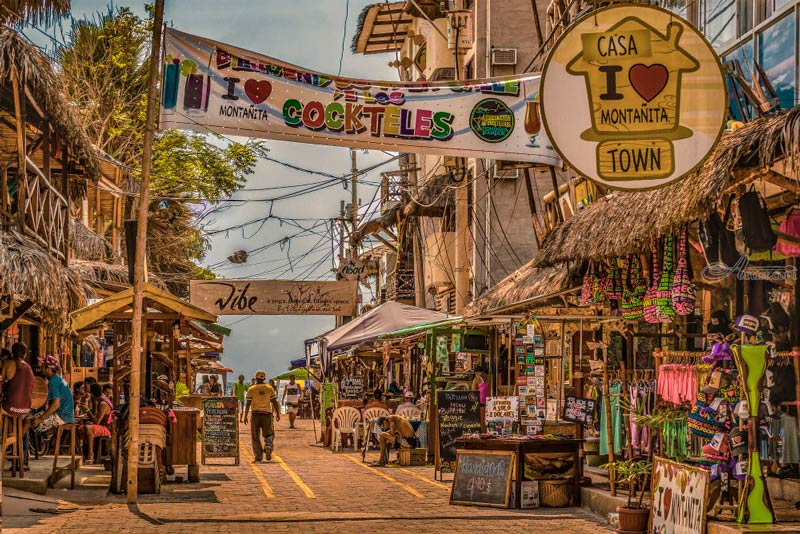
[504,56]
[506,174]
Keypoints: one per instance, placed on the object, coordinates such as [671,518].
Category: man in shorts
[291,398]
[239,391]
[397,433]
[60,405]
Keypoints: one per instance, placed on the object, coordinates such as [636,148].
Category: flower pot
[632,520]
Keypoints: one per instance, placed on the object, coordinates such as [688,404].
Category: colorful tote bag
[614,282]
[683,290]
[651,314]
[634,287]
[664,292]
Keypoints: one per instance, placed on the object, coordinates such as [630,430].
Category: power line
[344,35]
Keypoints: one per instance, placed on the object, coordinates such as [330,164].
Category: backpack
[756,227]
[719,243]
[683,290]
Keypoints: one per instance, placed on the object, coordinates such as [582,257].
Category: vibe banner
[209,86]
[273,297]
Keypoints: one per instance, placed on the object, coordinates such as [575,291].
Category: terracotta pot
[632,520]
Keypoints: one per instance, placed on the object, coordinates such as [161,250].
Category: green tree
[104,70]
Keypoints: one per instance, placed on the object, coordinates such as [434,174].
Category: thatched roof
[29,272]
[524,287]
[36,72]
[87,245]
[380,28]
[101,274]
[626,222]
[35,12]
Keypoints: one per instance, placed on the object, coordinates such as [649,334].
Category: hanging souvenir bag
[633,290]
[614,282]
[649,301]
[683,290]
[756,227]
[664,293]
[791,227]
[599,286]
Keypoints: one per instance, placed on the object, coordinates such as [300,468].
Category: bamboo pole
[139,273]
[21,149]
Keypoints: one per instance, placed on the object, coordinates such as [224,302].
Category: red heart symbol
[257,90]
[648,82]
[667,502]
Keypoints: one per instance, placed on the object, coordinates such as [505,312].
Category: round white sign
[633,97]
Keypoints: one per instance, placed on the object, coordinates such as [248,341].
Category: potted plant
[635,474]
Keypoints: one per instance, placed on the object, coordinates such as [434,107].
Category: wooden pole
[21,149]
[139,265]
[609,428]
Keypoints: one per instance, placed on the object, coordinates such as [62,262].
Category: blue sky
[307,33]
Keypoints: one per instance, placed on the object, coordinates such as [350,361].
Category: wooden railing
[43,212]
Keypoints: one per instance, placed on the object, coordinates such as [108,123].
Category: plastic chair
[409,412]
[345,421]
[370,415]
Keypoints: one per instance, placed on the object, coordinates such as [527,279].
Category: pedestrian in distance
[264,402]
[291,398]
[239,391]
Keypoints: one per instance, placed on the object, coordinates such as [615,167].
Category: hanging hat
[719,352]
[720,323]
[776,316]
[738,442]
[747,324]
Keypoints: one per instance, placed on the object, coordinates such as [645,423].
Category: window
[719,21]
[744,55]
[776,55]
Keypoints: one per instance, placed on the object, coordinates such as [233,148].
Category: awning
[423,328]
[300,374]
[300,363]
[382,27]
[387,317]
[123,300]
[211,366]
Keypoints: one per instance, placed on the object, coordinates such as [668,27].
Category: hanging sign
[214,87]
[633,97]
[679,494]
[273,297]
[352,269]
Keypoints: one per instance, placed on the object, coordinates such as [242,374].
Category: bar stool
[72,429]
[12,437]
[102,449]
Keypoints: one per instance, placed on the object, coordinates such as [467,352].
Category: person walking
[264,401]
[239,391]
[291,397]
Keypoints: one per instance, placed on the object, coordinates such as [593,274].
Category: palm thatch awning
[29,272]
[527,286]
[87,245]
[36,75]
[123,300]
[381,28]
[626,222]
[101,275]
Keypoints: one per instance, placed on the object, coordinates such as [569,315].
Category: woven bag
[650,304]
[633,289]
[664,293]
[683,290]
[614,282]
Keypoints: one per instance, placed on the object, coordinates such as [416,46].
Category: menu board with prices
[220,428]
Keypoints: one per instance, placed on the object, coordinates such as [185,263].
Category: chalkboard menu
[351,387]
[220,428]
[459,413]
[483,478]
[579,410]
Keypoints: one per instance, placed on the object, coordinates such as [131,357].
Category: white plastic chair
[409,412]
[345,421]
[370,416]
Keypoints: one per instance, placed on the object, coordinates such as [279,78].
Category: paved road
[305,487]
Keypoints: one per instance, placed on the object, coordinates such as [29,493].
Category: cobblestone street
[304,487]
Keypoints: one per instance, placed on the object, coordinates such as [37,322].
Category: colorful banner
[273,297]
[209,86]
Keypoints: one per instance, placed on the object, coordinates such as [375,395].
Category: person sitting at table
[397,433]
[377,400]
[60,404]
[81,398]
[99,420]
[408,401]
[16,377]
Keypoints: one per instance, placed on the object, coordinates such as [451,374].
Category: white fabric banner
[209,86]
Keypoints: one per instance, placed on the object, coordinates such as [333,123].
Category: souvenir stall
[167,432]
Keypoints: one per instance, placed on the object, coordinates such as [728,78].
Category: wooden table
[521,447]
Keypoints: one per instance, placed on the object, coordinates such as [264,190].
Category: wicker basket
[555,493]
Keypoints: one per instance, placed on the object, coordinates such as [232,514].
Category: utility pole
[139,272]
[354,203]
[461,267]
